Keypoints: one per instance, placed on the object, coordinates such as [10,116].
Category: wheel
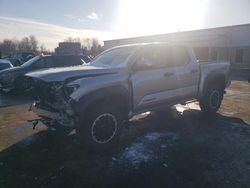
[102,127]
[211,101]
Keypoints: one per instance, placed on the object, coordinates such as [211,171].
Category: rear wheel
[102,127]
[211,101]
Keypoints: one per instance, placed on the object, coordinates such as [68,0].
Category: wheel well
[215,80]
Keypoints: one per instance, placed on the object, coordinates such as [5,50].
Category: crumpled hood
[68,73]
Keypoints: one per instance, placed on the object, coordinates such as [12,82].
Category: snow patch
[145,149]
[152,136]
[137,154]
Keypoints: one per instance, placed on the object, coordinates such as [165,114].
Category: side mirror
[142,64]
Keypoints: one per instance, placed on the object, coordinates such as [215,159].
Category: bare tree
[33,42]
[87,42]
[95,47]
[24,44]
[71,39]
[91,46]
[8,46]
[42,48]
[28,44]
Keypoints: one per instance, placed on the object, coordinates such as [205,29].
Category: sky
[52,21]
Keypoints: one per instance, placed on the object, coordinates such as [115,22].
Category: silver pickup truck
[98,98]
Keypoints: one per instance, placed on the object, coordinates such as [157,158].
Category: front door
[153,86]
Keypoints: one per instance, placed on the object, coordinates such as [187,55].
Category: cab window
[159,55]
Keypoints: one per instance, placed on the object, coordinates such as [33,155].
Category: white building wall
[240,36]
[225,40]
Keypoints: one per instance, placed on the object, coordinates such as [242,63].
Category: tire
[211,101]
[102,127]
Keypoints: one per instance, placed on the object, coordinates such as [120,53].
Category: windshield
[30,62]
[113,58]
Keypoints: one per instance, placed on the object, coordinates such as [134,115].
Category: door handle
[168,74]
[194,71]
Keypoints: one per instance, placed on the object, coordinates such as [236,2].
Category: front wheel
[102,127]
[211,101]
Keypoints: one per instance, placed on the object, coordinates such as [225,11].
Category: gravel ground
[180,149]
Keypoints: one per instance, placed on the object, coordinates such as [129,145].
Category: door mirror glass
[142,64]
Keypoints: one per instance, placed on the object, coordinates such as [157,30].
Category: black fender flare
[85,101]
[215,79]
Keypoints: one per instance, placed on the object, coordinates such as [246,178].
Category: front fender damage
[53,105]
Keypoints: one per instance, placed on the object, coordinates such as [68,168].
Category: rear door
[186,73]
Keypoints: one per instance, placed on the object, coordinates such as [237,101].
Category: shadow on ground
[174,150]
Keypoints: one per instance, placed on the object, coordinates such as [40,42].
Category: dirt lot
[180,149]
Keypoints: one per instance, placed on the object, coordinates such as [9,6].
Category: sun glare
[145,17]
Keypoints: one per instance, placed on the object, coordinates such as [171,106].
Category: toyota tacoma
[99,98]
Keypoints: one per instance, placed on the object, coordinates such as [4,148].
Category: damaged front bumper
[53,105]
[50,118]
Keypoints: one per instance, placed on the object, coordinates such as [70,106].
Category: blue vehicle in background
[18,58]
[5,64]
[13,78]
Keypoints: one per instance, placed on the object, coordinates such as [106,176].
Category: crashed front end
[52,103]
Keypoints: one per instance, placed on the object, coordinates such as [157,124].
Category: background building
[69,48]
[230,43]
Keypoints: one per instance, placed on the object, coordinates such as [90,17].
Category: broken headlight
[71,89]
